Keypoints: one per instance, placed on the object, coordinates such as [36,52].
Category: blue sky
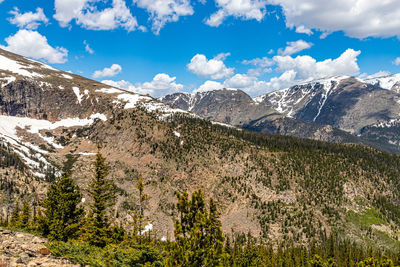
[164,46]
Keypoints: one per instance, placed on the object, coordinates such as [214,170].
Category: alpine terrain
[281,190]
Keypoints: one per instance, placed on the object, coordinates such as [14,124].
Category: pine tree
[62,213]
[199,239]
[25,215]
[15,215]
[214,237]
[138,215]
[97,229]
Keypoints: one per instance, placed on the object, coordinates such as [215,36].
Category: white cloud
[247,83]
[294,47]
[378,74]
[397,61]
[240,81]
[162,84]
[357,18]
[258,71]
[34,45]
[222,56]
[86,14]
[67,10]
[243,9]
[88,48]
[260,62]
[164,11]
[302,29]
[28,20]
[108,72]
[307,68]
[292,70]
[214,68]
[209,86]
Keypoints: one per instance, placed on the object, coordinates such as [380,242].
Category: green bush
[111,255]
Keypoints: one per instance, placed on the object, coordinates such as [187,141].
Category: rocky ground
[22,249]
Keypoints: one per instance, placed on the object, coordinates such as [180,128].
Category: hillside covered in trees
[93,239]
[275,196]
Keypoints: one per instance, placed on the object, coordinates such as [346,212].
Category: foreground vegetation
[91,238]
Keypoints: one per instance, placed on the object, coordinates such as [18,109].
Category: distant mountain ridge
[350,106]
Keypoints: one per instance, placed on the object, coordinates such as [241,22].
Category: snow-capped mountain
[37,100]
[347,103]
[236,108]
[353,107]
[226,105]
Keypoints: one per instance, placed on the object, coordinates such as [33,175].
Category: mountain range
[275,187]
[336,109]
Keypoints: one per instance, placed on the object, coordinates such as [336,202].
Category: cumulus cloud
[294,47]
[164,11]
[249,84]
[291,71]
[86,14]
[214,68]
[357,18]
[243,9]
[88,48]
[28,20]
[209,86]
[162,84]
[34,45]
[307,68]
[108,72]
[397,61]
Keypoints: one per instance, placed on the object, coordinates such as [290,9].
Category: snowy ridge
[286,100]
[328,88]
[385,82]
[131,100]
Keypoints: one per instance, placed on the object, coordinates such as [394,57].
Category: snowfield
[8,133]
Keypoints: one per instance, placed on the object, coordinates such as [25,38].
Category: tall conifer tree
[62,213]
[97,230]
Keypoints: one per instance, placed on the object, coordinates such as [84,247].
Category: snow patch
[15,67]
[7,80]
[78,94]
[109,91]
[177,134]
[146,229]
[86,154]
[132,99]
[66,76]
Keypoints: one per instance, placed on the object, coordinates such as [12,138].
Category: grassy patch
[366,219]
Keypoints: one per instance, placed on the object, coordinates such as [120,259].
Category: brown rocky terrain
[22,249]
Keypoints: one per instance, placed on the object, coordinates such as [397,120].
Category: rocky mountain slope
[275,187]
